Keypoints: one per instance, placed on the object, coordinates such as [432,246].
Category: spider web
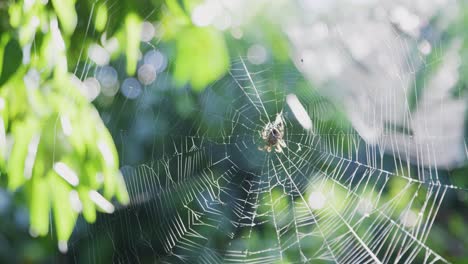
[212,189]
[209,195]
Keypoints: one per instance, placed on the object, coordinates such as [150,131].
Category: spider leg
[278,148]
[282,143]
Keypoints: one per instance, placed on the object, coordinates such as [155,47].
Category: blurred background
[130,131]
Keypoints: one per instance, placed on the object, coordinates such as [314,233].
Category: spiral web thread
[209,195]
[212,195]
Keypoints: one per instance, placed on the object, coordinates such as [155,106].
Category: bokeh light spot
[131,88]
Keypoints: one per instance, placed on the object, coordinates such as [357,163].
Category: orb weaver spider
[273,133]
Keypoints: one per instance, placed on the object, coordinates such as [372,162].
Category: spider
[273,134]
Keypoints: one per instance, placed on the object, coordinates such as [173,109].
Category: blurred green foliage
[201,52]
[54,146]
[48,125]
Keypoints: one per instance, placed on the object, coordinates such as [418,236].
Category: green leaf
[132,35]
[15,14]
[121,192]
[114,183]
[39,206]
[89,209]
[202,57]
[108,170]
[101,17]
[23,133]
[10,58]
[64,215]
[66,13]
[109,182]
[3,129]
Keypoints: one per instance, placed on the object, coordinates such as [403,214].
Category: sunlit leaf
[23,134]
[39,206]
[3,129]
[89,209]
[101,17]
[66,13]
[132,35]
[64,215]
[201,58]
[15,14]
[121,192]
